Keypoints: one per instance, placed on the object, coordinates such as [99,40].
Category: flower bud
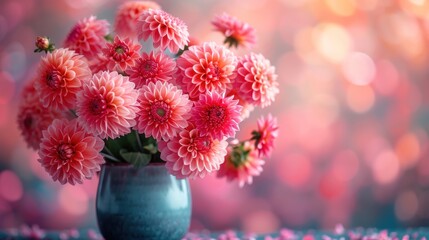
[42,43]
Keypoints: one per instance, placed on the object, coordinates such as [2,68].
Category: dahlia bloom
[206,67]
[152,67]
[191,154]
[265,135]
[60,76]
[241,163]
[119,55]
[237,33]
[166,30]
[163,110]
[87,36]
[247,107]
[256,81]
[128,14]
[216,115]
[69,153]
[107,105]
[33,118]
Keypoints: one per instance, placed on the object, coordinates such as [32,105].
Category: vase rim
[128,165]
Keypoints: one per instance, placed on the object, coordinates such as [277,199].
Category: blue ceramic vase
[142,203]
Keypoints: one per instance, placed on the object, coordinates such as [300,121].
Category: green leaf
[137,159]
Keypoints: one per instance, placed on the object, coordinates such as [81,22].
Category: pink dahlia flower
[33,118]
[237,33]
[119,55]
[128,14]
[87,36]
[191,154]
[256,80]
[216,115]
[166,30]
[60,76]
[107,106]
[247,107]
[69,153]
[241,163]
[206,67]
[265,135]
[163,110]
[152,67]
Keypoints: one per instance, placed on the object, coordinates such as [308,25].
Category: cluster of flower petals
[69,153]
[107,105]
[60,77]
[163,110]
[206,67]
[266,134]
[237,33]
[119,55]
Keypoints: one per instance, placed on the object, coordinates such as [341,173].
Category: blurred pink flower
[247,107]
[128,14]
[237,33]
[152,67]
[165,30]
[119,55]
[32,232]
[192,155]
[265,135]
[216,115]
[33,118]
[107,105]
[87,36]
[206,67]
[256,80]
[60,77]
[163,110]
[241,163]
[69,153]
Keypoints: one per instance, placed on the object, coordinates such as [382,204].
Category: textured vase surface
[142,203]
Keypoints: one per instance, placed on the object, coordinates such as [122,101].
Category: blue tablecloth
[33,232]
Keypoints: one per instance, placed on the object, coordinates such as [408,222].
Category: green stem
[110,157]
[139,143]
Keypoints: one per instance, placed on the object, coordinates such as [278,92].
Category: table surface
[34,232]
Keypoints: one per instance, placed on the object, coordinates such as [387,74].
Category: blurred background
[353,114]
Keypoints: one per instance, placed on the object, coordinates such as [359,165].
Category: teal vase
[142,203]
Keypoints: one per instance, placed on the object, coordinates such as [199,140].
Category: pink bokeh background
[353,111]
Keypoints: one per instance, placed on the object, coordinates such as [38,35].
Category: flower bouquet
[101,99]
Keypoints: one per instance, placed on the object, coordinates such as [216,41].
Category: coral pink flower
[216,115]
[256,81]
[237,33]
[163,110]
[87,36]
[206,67]
[128,14]
[119,55]
[247,107]
[241,163]
[33,118]
[192,155]
[166,30]
[265,135]
[152,67]
[68,153]
[107,105]
[60,76]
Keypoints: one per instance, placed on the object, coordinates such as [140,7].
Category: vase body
[142,203]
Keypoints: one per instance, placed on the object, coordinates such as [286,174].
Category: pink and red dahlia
[119,55]
[87,36]
[247,107]
[256,80]
[60,76]
[241,163]
[216,115]
[206,67]
[237,33]
[166,30]
[128,14]
[33,118]
[267,132]
[107,105]
[163,110]
[152,67]
[191,154]
[69,153]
